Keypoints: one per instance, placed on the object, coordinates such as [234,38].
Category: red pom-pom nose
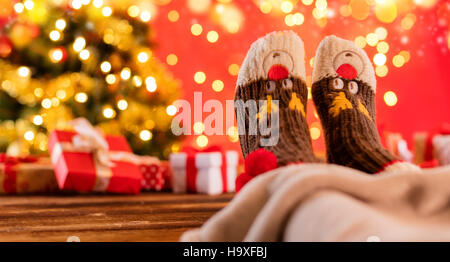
[278,72]
[347,71]
[260,161]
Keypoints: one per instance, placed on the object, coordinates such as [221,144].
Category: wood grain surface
[145,217]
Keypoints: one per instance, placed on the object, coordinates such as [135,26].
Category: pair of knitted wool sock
[343,91]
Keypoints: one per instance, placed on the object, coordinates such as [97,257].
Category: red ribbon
[444,129]
[191,169]
[9,182]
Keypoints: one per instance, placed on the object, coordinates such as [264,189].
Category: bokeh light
[390,98]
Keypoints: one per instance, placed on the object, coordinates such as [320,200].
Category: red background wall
[422,85]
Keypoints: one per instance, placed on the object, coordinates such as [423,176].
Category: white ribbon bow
[91,139]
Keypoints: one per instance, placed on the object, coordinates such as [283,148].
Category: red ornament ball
[260,161]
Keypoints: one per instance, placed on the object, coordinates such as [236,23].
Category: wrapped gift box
[156,176]
[78,169]
[26,176]
[204,172]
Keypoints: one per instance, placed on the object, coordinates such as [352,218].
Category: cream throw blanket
[323,202]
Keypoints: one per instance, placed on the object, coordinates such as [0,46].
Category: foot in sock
[343,91]
[274,70]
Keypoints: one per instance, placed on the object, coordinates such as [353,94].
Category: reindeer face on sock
[274,70]
[347,78]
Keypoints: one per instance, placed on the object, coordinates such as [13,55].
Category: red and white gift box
[156,176]
[212,172]
[84,166]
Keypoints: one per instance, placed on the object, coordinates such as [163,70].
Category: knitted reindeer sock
[274,70]
[343,91]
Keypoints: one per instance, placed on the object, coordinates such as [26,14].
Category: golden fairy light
[407,22]
[398,61]
[105,66]
[233,134]
[107,11]
[56,55]
[108,112]
[55,101]
[23,71]
[97,3]
[133,11]
[229,17]
[125,74]
[315,133]
[390,98]
[172,59]
[381,71]
[286,6]
[84,54]
[217,85]
[372,39]
[122,104]
[81,97]
[381,33]
[79,44]
[110,79]
[233,69]
[198,127]
[212,36]
[202,141]
[19,7]
[38,92]
[196,29]
[61,94]
[383,47]
[145,135]
[386,10]
[379,59]
[265,7]
[288,20]
[28,4]
[29,135]
[150,83]
[76,4]
[54,35]
[37,120]
[199,77]
[60,24]
[143,57]
[137,81]
[173,16]
[360,41]
[198,6]
[298,18]
[406,55]
[46,103]
[171,110]
[145,16]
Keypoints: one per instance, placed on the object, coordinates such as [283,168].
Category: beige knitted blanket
[322,202]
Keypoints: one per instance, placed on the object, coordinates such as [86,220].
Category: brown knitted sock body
[294,143]
[274,71]
[343,91]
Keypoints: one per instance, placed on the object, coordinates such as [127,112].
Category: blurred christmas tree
[61,60]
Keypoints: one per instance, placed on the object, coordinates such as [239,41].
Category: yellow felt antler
[266,108]
[363,109]
[296,104]
[339,103]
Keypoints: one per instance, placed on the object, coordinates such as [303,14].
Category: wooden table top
[145,217]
